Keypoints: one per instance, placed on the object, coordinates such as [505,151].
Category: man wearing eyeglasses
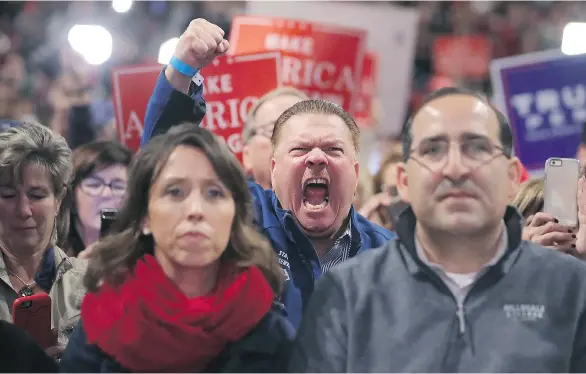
[458,290]
[258,129]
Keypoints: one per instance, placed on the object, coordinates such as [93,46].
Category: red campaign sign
[230,90]
[323,60]
[132,88]
[232,85]
[364,114]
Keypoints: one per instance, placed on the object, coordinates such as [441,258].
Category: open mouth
[315,193]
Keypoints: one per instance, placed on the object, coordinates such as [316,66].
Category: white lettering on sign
[219,84]
[133,126]
[563,109]
[290,43]
[227,114]
[234,141]
[321,75]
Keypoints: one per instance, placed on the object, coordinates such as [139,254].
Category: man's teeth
[316,182]
[322,181]
[310,206]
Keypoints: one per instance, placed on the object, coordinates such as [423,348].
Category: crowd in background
[41,78]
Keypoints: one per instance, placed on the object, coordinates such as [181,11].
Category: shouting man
[309,217]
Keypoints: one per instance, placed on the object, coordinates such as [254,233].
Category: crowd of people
[35,58]
[277,264]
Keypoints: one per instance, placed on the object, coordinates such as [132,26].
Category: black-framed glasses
[95,187]
[474,151]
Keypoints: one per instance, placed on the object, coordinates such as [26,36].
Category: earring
[146,231]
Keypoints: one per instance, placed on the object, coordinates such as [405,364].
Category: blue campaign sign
[544,96]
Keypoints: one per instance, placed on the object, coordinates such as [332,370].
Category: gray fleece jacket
[386,311]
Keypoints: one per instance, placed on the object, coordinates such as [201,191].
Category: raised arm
[177,96]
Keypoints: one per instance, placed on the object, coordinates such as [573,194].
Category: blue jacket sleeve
[168,107]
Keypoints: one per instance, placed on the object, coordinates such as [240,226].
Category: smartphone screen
[108,218]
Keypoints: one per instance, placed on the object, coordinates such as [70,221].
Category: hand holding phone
[33,314]
[543,229]
[560,194]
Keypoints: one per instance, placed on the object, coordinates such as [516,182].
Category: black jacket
[264,350]
[19,353]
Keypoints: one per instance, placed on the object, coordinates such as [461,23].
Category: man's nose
[316,157]
[455,165]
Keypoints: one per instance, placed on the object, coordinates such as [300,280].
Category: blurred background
[36,56]
[55,57]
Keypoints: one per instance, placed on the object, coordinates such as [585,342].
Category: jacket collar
[405,230]
[53,265]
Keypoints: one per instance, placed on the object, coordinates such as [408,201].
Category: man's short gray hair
[248,130]
[33,143]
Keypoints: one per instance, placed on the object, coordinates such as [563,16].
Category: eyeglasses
[265,131]
[95,187]
[474,152]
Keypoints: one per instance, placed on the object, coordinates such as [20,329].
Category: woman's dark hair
[87,159]
[118,253]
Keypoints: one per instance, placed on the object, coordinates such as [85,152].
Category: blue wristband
[182,67]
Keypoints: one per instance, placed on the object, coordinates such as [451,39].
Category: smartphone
[108,217]
[560,195]
[33,314]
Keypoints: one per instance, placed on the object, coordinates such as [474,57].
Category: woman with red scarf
[184,283]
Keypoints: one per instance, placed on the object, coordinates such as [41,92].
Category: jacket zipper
[461,316]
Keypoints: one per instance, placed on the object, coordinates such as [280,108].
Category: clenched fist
[198,46]
[201,43]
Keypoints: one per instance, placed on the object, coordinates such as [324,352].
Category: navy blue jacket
[264,350]
[297,257]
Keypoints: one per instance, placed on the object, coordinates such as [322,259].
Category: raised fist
[201,43]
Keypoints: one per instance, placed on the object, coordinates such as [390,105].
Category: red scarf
[148,325]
